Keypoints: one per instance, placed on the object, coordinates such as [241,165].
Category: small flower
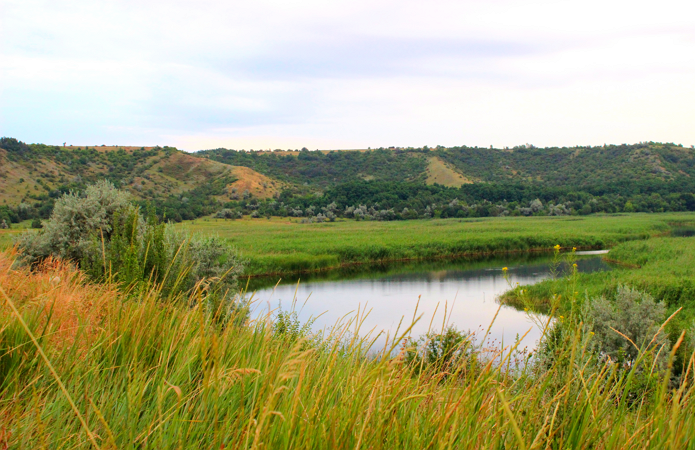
[504,269]
[574,265]
[574,249]
[562,317]
[557,247]
[526,309]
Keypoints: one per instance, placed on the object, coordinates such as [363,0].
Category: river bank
[285,246]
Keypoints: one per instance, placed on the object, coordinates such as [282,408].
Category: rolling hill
[180,185]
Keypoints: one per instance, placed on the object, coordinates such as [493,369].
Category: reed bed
[112,370]
[283,245]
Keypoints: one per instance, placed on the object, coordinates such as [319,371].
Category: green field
[7,236]
[282,245]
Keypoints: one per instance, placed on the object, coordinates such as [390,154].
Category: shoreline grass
[281,246]
[664,267]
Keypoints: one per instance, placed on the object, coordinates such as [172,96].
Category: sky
[347,74]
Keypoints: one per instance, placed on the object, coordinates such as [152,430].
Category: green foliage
[645,177]
[14,147]
[382,184]
[147,376]
[637,317]
[280,246]
[75,222]
[287,325]
[324,169]
[451,351]
[107,237]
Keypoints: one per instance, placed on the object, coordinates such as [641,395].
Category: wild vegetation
[281,246]
[106,236]
[380,184]
[99,349]
[36,175]
[88,366]
[397,184]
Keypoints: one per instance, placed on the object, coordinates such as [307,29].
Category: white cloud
[199,74]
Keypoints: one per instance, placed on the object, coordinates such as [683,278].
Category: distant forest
[379,184]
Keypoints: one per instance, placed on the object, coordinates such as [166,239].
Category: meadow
[118,358]
[277,246]
[85,365]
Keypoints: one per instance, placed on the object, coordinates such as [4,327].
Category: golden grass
[57,290]
[442,173]
[259,185]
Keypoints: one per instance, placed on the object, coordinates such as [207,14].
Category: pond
[465,289]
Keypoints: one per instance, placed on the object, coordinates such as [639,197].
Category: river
[465,289]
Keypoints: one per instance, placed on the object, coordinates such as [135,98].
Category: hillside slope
[33,176]
[574,166]
[472,181]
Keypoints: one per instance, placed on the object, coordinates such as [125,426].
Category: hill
[384,183]
[578,167]
[182,185]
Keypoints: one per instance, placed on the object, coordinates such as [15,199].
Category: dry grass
[259,185]
[442,173]
[58,291]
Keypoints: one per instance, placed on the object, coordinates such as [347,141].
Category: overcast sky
[347,74]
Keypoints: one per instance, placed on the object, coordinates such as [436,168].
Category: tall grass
[144,374]
[281,245]
[664,267]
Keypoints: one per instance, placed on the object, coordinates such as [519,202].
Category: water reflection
[684,231]
[466,289]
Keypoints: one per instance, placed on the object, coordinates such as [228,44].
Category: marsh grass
[663,267]
[279,246]
[143,374]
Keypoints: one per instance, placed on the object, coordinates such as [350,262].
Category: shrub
[107,237]
[288,326]
[227,213]
[449,351]
[75,220]
[634,314]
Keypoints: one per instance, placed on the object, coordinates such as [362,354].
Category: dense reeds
[138,373]
[281,245]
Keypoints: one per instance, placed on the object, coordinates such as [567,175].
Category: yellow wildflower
[504,269]
[574,249]
[557,247]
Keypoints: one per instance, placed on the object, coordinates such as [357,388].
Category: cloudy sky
[347,74]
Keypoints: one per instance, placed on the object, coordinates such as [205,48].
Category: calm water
[390,293]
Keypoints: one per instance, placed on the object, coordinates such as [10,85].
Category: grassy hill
[576,166]
[391,183]
[32,176]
